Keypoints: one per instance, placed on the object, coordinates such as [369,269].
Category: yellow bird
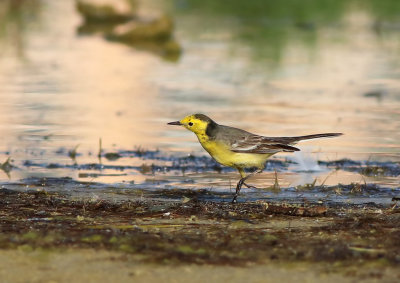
[237,148]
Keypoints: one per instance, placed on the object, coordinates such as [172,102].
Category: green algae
[30,236]
[189,250]
[92,239]
[373,171]
[7,166]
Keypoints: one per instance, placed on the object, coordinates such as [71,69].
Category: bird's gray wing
[261,145]
[241,141]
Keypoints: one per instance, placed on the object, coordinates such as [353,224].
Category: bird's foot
[250,186]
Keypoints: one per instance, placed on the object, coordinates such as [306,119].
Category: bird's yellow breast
[222,154]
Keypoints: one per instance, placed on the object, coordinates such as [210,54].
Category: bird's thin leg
[242,182]
[239,184]
[238,187]
[251,174]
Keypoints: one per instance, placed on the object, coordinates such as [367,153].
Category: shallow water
[284,70]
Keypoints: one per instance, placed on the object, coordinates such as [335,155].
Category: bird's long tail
[326,135]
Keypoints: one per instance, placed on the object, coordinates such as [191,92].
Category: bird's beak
[177,123]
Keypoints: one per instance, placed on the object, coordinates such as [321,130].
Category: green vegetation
[269,27]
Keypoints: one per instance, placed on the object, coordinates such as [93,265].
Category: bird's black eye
[190,124]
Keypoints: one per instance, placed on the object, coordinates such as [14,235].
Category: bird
[238,148]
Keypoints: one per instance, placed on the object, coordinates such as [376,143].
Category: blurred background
[73,72]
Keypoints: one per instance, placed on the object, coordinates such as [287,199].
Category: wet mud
[342,239]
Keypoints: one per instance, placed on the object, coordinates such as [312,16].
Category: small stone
[159,29]
[106,10]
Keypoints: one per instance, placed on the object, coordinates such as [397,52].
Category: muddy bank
[354,241]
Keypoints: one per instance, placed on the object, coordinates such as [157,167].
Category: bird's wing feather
[261,145]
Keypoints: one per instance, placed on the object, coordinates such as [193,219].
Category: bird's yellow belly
[222,154]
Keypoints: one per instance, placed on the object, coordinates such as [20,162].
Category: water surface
[272,69]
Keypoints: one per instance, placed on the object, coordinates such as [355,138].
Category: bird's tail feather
[326,135]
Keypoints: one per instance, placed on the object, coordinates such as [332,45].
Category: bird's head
[197,123]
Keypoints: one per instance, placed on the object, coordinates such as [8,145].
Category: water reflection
[16,18]
[126,25]
[271,67]
[267,27]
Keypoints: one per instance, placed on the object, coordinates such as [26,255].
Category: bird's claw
[250,186]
